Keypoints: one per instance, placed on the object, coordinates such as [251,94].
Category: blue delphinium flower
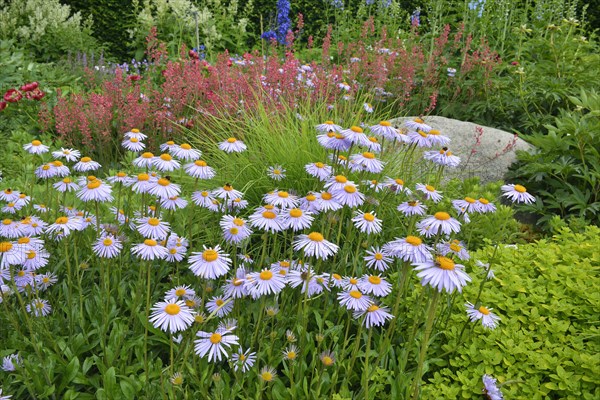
[283,20]
[477,5]
[269,35]
[337,4]
[415,19]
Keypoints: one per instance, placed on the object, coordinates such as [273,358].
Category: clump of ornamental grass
[300,250]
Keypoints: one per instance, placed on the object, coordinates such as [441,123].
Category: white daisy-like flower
[145,160]
[202,198]
[133,144]
[368,162]
[232,145]
[10,363]
[430,192]
[328,126]
[168,145]
[443,157]
[39,308]
[200,169]
[276,172]
[176,252]
[172,315]
[314,244]
[327,202]
[368,107]
[119,177]
[517,194]
[374,184]
[354,300]
[437,139]
[220,306]
[211,263]
[455,247]
[227,192]
[442,274]
[165,163]
[413,207]
[236,287]
[489,320]
[374,316]
[243,359]
[374,145]
[141,183]
[86,164]
[185,152]
[265,282]
[150,249]
[409,249]
[336,142]
[349,196]
[491,389]
[309,203]
[36,258]
[281,198]
[153,228]
[45,171]
[95,190]
[173,203]
[9,195]
[235,230]
[465,206]
[485,206]
[41,208]
[67,154]
[296,219]
[11,253]
[163,188]
[267,218]
[214,344]
[36,147]
[290,353]
[420,138]
[375,285]
[344,86]
[107,246]
[384,129]
[11,208]
[65,225]
[356,136]
[367,222]
[440,222]
[417,124]
[135,133]
[378,259]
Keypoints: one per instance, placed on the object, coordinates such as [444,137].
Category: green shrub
[564,170]
[547,294]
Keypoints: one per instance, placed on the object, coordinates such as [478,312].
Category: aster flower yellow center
[378,256]
[291,355]
[469,200]
[341,179]
[36,142]
[61,220]
[445,263]
[295,213]
[331,134]
[283,195]
[133,140]
[238,222]
[46,167]
[326,196]
[39,305]
[11,204]
[311,197]
[356,129]
[269,207]
[266,275]
[228,188]
[369,217]
[455,247]
[368,155]
[337,277]
[375,280]
[484,310]
[166,157]
[5,246]
[23,240]
[107,242]
[170,143]
[94,184]
[199,318]
[173,251]
[234,231]
[284,264]
[177,380]
[232,140]
[442,216]
[520,188]
[327,361]
[164,182]
[153,221]
[186,146]
[423,134]
[484,201]
[319,165]
[121,174]
[6,221]
[349,189]
[415,241]
[448,153]
[45,279]
[315,237]
[276,172]
[204,194]
[373,139]
[143,177]
[372,308]
[430,188]
[210,255]
[418,120]
[172,309]
[135,130]
[329,122]
[21,273]
[147,155]
[219,302]
[200,163]
[385,123]
[215,338]
[339,136]
[237,282]
[266,376]
[269,215]
[342,158]
[150,242]
[85,159]
[434,132]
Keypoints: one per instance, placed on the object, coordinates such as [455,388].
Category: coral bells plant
[333,269]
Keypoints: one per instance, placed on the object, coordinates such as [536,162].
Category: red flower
[193,54]
[29,86]
[515,63]
[134,78]
[229,63]
[38,94]
[12,95]
[3,105]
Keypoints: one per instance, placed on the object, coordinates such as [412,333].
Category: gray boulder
[484,152]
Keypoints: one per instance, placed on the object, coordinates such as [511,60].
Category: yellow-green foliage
[547,345]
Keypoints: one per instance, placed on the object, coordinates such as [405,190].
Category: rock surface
[484,152]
